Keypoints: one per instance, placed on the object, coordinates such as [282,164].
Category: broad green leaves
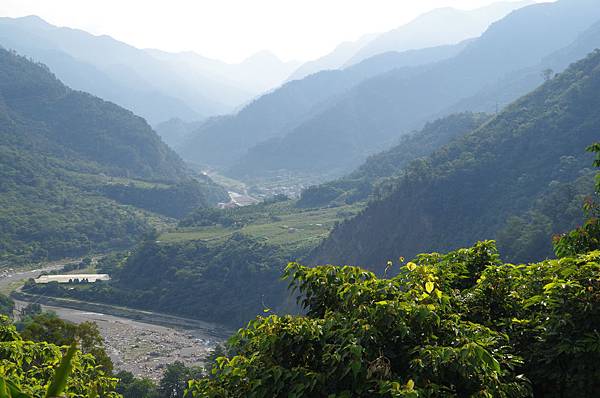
[39,370]
[59,381]
[401,337]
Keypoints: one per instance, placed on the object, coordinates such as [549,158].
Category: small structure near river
[72,278]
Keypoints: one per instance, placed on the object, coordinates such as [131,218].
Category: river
[141,347]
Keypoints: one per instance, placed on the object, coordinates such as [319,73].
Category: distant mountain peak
[262,56]
[31,21]
[452,26]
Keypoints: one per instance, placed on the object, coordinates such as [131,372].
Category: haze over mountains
[222,141]
[323,125]
[451,26]
[342,127]
[523,163]
[154,84]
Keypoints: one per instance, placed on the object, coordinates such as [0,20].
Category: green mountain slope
[61,154]
[517,163]
[361,183]
[84,125]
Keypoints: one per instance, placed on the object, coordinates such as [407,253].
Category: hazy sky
[232,29]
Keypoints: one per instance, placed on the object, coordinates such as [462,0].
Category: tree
[30,310]
[587,237]
[7,305]
[41,369]
[547,74]
[132,387]
[48,327]
[175,378]
[92,342]
[368,337]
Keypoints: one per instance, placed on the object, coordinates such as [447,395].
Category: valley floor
[143,348]
[137,341]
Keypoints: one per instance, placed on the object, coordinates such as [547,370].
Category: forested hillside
[194,279]
[459,324]
[360,184]
[57,119]
[62,153]
[195,269]
[455,324]
[372,115]
[530,154]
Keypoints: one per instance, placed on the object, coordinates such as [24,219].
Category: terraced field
[279,224]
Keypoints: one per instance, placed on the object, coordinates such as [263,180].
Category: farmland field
[279,224]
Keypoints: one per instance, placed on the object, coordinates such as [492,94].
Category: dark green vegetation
[527,162]
[368,178]
[461,324]
[7,306]
[194,270]
[175,200]
[68,163]
[173,383]
[30,353]
[47,327]
[43,369]
[191,279]
[274,221]
[587,237]
[77,125]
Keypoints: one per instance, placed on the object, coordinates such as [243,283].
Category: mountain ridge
[375,113]
[462,192]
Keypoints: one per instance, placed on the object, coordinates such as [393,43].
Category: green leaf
[59,381]
[429,286]
[9,390]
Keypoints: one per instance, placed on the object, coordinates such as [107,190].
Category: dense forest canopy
[193,279]
[361,183]
[78,174]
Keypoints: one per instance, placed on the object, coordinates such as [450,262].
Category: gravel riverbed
[143,348]
[140,347]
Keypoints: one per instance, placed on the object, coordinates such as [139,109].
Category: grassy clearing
[284,226]
[11,286]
